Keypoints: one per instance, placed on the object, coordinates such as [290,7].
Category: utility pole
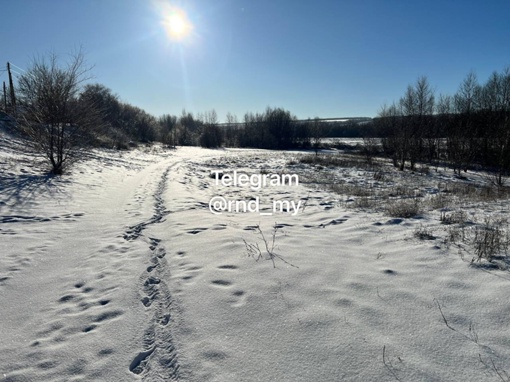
[11,87]
[5,98]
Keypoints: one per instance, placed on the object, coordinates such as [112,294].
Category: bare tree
[443,122]
[231,130]
[281,128]
[461,140]
[188,126]
[168,128]
[395,141]
[426,135]
[370,148]
[53,118]
[211,134]
[317,134]
[417,106]
[495,118]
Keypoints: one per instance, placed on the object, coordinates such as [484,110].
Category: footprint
[46,365]
[221,282]
[3,279]
[150,268]
[105,352]
[152,280]
[283,225]
[165,319]
[160,253]
[333,222]
[108,315]
[66,298]
[89,328]
[154,243]
[140,361]
[146,301]
[230,267]
[197,230]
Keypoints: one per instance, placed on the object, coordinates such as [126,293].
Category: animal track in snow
[223,283]
[158,358]
[229,267]
[236,297]
[38,219]
[196,230]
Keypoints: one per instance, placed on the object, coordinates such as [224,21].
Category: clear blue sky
[314,58]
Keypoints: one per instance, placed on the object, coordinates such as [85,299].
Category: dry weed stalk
[253,249]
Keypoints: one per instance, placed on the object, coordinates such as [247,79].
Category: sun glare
[176,24]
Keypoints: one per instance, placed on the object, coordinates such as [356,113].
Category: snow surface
[119,271]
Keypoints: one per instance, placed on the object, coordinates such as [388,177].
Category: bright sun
[176,24]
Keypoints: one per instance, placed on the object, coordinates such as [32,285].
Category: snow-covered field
[119,271]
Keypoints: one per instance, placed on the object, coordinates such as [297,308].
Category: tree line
[468,129]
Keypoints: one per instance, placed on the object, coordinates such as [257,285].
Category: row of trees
[276,128]
[471,127]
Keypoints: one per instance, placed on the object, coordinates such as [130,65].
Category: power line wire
[16,66]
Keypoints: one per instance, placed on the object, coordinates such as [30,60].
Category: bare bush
[474,193]
[440,201]
[380,176]
[365,202]
[370,149]
[56,121]
[424,233]
[455,234]
[403,208]
[454,217]
[489,240]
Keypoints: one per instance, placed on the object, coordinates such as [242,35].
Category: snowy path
[158,357]
[70,275]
